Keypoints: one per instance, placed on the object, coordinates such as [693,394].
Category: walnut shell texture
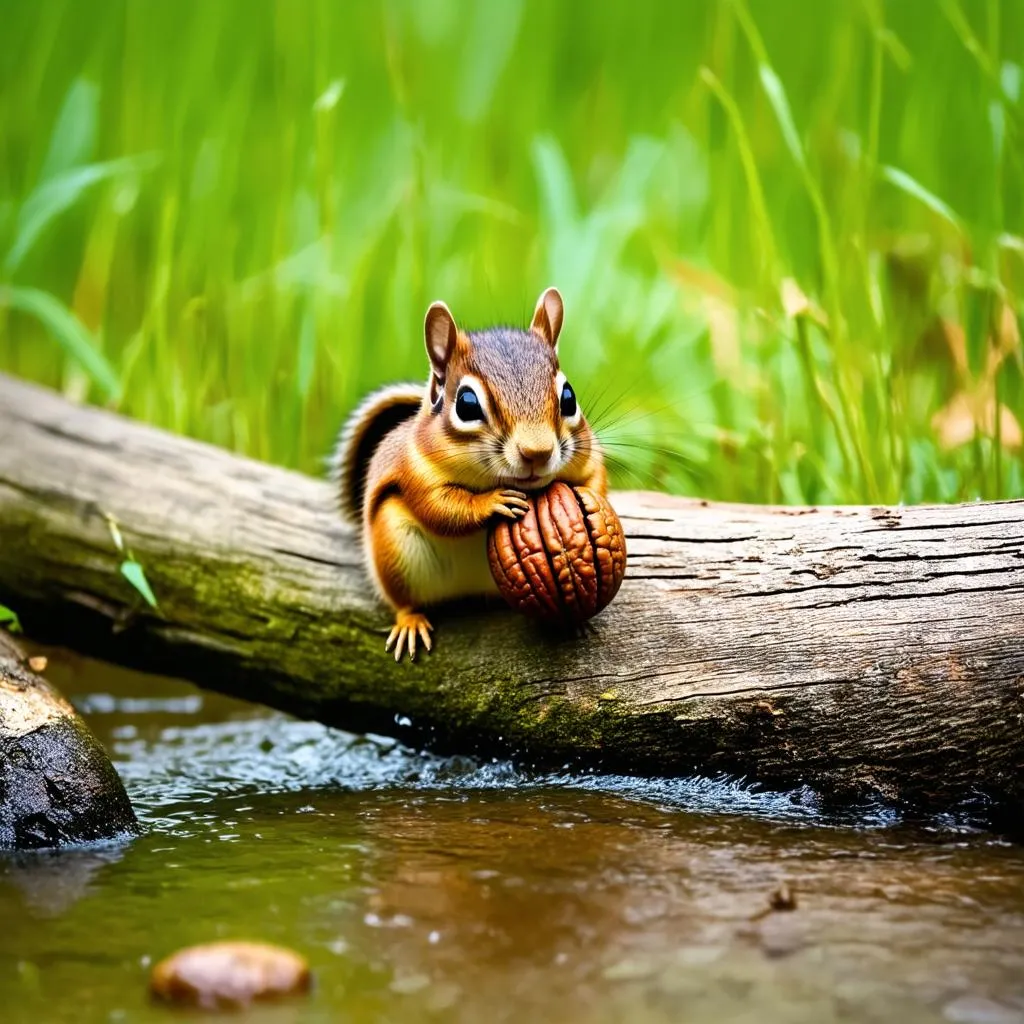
[564,560]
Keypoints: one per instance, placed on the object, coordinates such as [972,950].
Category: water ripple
[197,763]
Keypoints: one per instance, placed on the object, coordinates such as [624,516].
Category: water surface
[428,889]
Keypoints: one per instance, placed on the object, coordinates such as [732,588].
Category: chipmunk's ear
[441,333]
[547,317]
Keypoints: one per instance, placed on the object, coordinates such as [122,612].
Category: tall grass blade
[750,172]
[58,194]
[73,139]
[68,331]
[490,40]
[1009,80]
[554,177]
[905,183]
[780,104]
[306,358]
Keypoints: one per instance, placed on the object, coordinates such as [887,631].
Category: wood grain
[858,650]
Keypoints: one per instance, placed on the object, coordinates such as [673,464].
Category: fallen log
[860,651]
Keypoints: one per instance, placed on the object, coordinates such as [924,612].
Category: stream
[430,889]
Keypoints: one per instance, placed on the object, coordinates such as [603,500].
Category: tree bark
[861,651]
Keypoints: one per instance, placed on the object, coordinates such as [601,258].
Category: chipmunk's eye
[467,405]
[567,401]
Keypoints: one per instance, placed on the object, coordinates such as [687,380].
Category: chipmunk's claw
[509,503]
[409,626]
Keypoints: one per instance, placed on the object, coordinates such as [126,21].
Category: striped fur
[371,421]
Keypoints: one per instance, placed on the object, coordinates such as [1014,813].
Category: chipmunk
[423,469]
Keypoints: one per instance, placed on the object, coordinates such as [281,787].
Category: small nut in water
[229,975]
[564,560]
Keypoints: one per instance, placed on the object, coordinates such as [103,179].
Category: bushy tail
[377,415]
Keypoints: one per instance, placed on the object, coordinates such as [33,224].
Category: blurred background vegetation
[788,232]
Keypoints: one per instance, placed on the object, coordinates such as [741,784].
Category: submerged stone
[229,975]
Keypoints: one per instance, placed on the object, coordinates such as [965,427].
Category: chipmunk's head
[506,413]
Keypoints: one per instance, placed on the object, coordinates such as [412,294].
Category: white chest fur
[438,568]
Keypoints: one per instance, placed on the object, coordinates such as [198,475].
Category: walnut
[564,560]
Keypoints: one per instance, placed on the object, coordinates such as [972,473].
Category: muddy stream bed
[428,889]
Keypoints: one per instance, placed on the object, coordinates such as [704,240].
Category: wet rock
[229,975]
[57,785]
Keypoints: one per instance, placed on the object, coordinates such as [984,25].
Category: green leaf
[557,195]
[780,104]
[136,576]
[55,195]
[73,138]
[9,619]
[68,331]
[905,183]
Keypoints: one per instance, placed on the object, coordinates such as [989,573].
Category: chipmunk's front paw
[408,626]
[508,503]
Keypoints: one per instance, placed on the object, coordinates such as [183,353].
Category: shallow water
[441,889]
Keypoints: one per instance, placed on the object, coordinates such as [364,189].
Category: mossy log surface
[861,651]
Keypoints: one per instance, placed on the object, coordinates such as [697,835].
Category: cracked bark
[856,650]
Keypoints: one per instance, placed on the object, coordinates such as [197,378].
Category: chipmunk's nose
[535,453]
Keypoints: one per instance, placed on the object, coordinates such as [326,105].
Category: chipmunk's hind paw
[409,626]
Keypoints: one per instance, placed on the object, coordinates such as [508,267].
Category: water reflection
[50,881]
[603,909]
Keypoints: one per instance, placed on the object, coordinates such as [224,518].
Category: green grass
[788,233]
